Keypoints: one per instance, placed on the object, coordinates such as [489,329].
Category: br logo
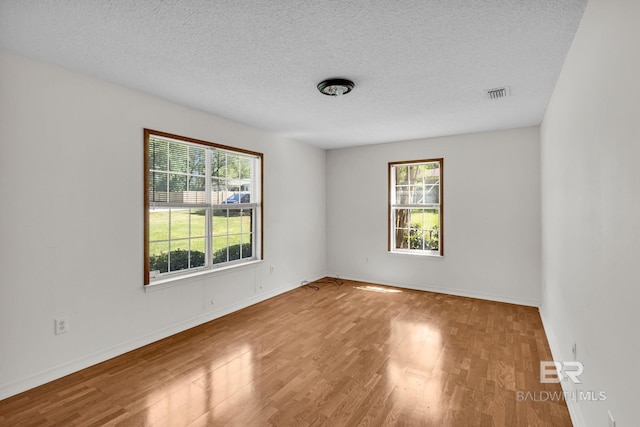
[554,372]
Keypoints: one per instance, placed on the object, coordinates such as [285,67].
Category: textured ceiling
[421,67]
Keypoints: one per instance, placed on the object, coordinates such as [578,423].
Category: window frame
[392,206]
[257,215]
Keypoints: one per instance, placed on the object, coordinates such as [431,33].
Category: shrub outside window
[203,205]
[415,207]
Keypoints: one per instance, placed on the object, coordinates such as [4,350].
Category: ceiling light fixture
[335,87]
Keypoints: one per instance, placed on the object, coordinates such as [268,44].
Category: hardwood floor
[345,355]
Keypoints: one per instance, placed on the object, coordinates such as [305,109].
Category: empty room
[335,213]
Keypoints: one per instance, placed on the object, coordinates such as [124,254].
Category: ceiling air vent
[499,92]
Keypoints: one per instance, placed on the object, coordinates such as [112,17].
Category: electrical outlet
[612,421]
[574,351]
[62,325]
[272,269]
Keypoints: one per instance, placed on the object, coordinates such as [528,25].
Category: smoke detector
[499,92]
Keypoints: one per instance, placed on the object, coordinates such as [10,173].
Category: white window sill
[418,253]
[168,282]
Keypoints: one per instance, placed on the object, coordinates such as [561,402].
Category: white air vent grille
[499,92]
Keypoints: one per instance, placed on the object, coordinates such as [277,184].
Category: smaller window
[415,207]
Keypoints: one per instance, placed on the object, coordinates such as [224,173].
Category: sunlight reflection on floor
[412,367]
[229,375]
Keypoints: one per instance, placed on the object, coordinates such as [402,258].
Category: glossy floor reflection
[346,355]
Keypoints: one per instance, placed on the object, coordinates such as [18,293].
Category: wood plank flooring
[354,354]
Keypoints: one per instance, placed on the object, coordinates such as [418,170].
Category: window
[415,207]
[203,206]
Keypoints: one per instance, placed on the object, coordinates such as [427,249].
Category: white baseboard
[449,291]
[567,386]
[48,375]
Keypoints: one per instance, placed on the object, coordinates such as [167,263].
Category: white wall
[590,141]
[71,219]
[491,216]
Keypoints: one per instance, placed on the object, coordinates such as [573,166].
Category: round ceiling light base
[335,87]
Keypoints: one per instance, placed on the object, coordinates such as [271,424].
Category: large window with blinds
[415,207]
[203,206]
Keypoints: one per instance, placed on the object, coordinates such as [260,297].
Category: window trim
[390,226]
[147,204]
